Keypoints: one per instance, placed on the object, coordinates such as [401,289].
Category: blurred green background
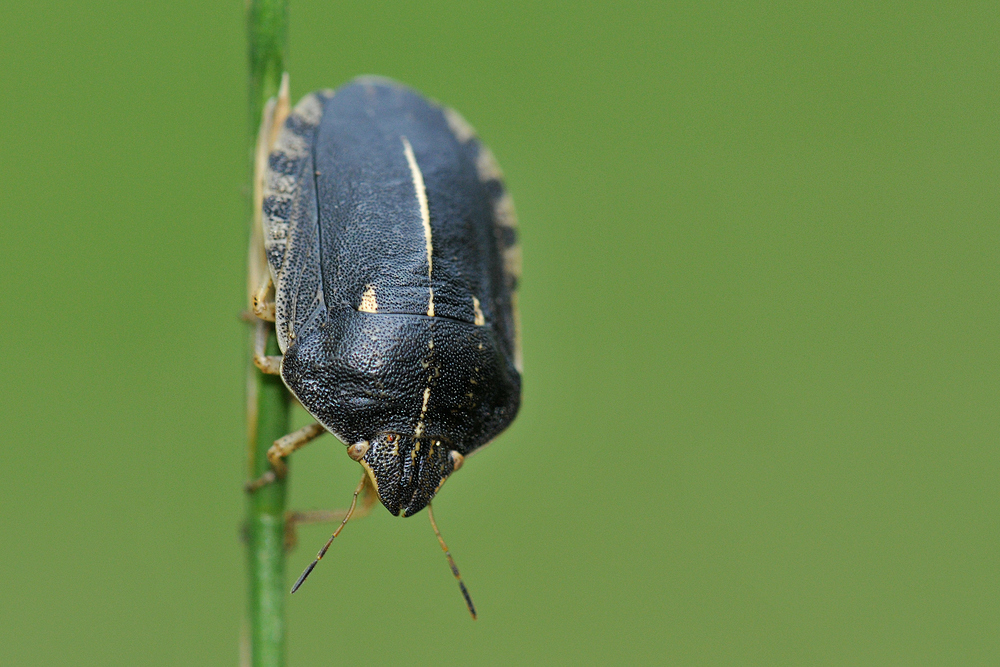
[760,313]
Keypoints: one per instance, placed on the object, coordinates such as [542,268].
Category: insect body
[391,245]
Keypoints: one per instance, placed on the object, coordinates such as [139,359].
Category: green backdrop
[760,314]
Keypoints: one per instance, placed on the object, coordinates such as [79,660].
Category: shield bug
[391,275]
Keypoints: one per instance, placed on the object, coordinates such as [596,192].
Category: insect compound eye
[358,450]
[456,460]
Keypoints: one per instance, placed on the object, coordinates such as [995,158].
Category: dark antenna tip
[302,577]
[322,552]
[451,563]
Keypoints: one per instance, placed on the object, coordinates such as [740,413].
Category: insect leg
[295,519]
[267,364]
[262,306]
[281,448]
[258,276]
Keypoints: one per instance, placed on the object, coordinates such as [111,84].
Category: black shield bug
[392,257]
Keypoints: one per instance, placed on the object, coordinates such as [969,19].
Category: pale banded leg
[263,307]
[267,364]
[281,448]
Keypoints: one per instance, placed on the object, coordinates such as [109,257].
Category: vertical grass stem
[268,400]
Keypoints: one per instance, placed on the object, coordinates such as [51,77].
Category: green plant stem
[268,405]
[267,41]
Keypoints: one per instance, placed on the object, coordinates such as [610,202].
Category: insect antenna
[322,552]
[451,562]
